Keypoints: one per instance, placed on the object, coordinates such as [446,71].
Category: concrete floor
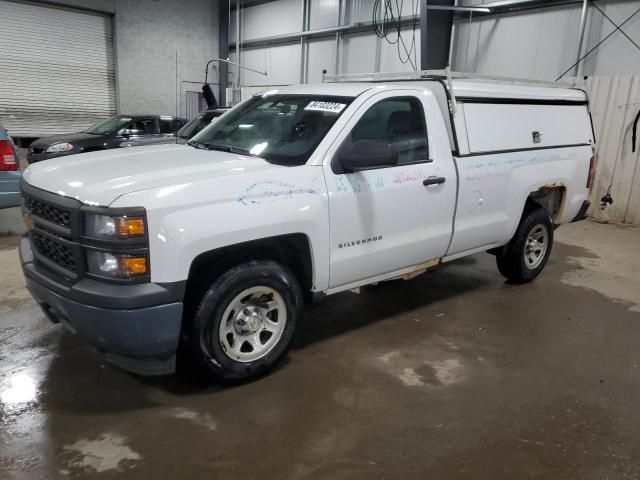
[452,375]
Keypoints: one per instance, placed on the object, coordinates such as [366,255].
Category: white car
[297,193]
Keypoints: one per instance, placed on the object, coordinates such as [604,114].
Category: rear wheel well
[550,198]
[292,250]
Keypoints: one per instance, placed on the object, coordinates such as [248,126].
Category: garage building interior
[453,374]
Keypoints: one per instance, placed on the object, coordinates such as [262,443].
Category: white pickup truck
[210,249]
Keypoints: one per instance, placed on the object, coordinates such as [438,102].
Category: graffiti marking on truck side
[409,176]
[272,190]
[355,185]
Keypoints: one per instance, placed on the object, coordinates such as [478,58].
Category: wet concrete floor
[452,375]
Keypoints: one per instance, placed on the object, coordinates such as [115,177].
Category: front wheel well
[291,250]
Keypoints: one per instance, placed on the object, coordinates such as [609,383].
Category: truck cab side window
[396,120]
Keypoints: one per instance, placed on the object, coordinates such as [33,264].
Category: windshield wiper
[223,148]
[200,145]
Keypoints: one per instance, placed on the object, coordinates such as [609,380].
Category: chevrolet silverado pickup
[211,248]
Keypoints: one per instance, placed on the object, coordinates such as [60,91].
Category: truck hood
[99,178]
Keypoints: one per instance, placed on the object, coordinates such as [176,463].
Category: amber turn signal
[132,266]
[130,227]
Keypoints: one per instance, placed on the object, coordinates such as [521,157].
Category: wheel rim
[536,246]
[252,324]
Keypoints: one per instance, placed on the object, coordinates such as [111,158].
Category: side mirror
[368,154]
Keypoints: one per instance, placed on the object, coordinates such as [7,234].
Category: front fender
[188,219]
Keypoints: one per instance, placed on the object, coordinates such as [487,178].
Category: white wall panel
[615,102]
[617,55]
[322,56]
[323,14]
[390,59]
[536,44]
[267,19]
[542,43]
[362,10]
[281,62]
[358,54]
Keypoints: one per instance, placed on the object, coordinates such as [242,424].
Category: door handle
[433,181]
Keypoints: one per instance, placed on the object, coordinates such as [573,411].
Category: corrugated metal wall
[56,69]
[615,101]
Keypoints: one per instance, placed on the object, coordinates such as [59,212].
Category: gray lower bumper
[141,340]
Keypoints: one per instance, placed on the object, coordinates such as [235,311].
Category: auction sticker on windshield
[325,106]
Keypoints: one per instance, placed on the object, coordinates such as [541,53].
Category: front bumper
[33,157]
[136,326]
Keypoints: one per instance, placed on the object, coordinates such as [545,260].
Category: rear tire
[526,255]
[245,321]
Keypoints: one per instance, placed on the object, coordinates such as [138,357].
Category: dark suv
[109,133]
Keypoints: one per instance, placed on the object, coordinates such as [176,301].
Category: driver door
[386,219]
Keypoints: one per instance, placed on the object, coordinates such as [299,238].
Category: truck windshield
[110,125]
[196,124]
[283,129]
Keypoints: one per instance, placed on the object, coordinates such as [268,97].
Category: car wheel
[526,255]
[246,320]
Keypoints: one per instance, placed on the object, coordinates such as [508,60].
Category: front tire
[245,321]
[526,255]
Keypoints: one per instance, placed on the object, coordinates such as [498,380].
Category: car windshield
[283,129]
[196,124]
[110,125]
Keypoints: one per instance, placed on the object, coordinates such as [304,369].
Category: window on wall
[400,121]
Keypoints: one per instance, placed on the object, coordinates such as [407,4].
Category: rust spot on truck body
[552,197]
[422,268]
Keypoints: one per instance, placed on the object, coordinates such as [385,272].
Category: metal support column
[304,54]
[583,24]
[378,59]
[236,92]
[340,20]
[424,64]
[435,32]
[223,49]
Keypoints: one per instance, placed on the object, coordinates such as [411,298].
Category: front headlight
[59,147]
[115,265]
[112,227]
